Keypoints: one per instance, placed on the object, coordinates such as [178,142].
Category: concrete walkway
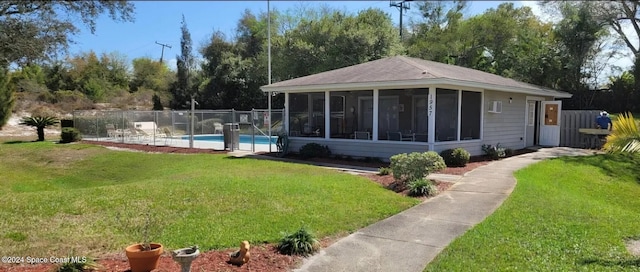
[408,241]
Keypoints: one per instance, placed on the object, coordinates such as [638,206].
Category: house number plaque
[430,108]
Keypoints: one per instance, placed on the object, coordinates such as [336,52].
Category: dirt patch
[633,246]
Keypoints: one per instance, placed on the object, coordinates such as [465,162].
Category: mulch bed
[157,149]
[263,257]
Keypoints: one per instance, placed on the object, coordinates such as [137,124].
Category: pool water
[244,139]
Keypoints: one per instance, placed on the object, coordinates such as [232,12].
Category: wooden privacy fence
[572,120]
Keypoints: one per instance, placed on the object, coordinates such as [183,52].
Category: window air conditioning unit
[495,107]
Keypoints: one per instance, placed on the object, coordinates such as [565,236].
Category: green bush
[508,152]
[494,152]
[314,150]
[422,187]
[70,135]
[455,157]
[301,242]
[416,165]
[383,171]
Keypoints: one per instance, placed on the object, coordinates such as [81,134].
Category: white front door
[550,123]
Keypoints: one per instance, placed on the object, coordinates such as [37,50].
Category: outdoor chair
[111,131]
[168,136]
[407,135]
[394,136]
[217,128]
[361,135]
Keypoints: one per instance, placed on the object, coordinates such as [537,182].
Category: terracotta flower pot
[143,261]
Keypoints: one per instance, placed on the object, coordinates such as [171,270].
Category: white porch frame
[526,114]
[431,104]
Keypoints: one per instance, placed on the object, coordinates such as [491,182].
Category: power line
[402,6]
[163,46]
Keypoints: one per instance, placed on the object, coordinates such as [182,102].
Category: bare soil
[263,257]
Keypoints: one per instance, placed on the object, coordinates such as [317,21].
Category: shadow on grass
[17,142]
[614,165]
[623,263]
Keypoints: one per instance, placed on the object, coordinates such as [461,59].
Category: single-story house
[402,104]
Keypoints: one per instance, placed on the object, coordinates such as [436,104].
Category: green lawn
[88,200]
[566,214]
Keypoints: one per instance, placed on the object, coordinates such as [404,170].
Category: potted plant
[143,256]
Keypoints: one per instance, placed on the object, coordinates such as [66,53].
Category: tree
[157,104]
[40,123]
[578,34]
[336,40]
[34,29]
[7,98]
[615,15]
[150,74]
[183,88]
[625,136]
[435,37]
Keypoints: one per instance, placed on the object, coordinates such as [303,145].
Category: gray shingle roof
[402,68]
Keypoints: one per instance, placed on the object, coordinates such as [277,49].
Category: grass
[565,214]
[89,200]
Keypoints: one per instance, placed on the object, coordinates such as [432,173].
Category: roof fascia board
[419,83]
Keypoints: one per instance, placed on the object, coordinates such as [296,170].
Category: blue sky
[160,21]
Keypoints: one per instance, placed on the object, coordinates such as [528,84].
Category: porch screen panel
[342,114]
[402,115]
[306,115]
[470,115]
[446,115]
[351,115]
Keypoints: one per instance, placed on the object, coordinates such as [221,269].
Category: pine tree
[182,89]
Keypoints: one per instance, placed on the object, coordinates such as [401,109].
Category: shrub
[422,187]
[313,150]
[508,152]
[383,171]
[456,157]
[416,165]
[301,242]
[69,135]
[494,152]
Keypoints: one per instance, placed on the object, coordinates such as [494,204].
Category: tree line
[569,54]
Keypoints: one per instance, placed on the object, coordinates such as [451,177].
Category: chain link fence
[212,129]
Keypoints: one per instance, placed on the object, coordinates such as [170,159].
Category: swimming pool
[244,139]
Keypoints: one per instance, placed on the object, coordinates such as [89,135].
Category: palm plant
[625,136]
[40,122]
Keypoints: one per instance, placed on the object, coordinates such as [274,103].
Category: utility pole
[402,6]
[163,46]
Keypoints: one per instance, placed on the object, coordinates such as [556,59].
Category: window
[306,115]
[470,115]
[532,113]
[446,115]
